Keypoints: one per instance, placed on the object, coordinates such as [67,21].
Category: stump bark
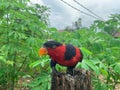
[81,80]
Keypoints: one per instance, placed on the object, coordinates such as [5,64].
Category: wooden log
[81,80]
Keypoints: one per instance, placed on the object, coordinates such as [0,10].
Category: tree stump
[81,80]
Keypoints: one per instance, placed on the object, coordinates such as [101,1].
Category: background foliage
[23,30]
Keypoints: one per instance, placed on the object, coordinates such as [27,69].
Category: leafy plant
[21,31]
[24,28]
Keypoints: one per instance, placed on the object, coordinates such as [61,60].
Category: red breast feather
[66,55]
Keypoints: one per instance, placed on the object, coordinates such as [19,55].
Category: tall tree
[21,29]
[110,26]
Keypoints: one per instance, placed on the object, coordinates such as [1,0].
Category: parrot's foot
[70,72]
[55,72]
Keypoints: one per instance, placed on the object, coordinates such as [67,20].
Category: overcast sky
[62,15]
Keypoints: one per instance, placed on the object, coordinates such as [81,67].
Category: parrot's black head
[51,44]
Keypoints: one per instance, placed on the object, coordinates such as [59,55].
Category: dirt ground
[117,87]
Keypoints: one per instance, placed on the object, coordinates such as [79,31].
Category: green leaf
[104,72]
[117,68]
[92,66]
[97,47]
[36,88]
[116,48]
[84,65]
[34,64]
[86,52]
[101,86]
[10,62]
[2,59]
[102,65]
[52,29]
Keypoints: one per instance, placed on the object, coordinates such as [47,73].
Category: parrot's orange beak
[43,51]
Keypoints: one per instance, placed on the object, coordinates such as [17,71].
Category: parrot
[63,54]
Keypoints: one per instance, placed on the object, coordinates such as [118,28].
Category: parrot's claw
[55,72]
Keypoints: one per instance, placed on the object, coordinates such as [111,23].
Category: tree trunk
[81,80]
